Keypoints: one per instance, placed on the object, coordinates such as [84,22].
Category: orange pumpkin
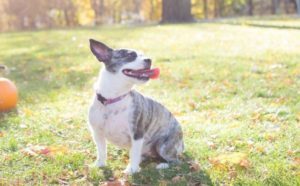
[8,94]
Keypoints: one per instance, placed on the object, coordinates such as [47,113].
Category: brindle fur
[160,130]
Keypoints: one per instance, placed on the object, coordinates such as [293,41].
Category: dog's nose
[148,61]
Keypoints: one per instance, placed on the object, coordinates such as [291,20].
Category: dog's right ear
[101,51]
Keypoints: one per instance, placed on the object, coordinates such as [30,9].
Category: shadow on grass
[43,77]
[180,174]
[260,25]
[3,118]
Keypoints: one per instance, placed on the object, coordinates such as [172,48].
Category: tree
[250,7]
[275,6]
[218,6]
[205,9]
[98,6]
[298,6]
[176,11]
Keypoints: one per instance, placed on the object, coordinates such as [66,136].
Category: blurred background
[44,14]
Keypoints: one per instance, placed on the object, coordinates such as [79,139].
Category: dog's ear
[101,51]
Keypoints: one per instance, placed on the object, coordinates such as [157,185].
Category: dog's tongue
[155,73]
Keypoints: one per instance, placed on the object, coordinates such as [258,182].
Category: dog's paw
[162,166]
[131,170]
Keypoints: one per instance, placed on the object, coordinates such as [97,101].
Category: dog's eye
[132,55]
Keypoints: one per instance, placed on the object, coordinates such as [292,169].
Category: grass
[234,88]
[283,22]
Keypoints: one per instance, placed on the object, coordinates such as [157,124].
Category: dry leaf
[225,161]
[296,161]
[244,163]
[290,152]
[28,152]
[192,105]
[34,150]
[176,179]
[211,144]
[27,112]
[163,183]
[1,134]
[232,174]
[261,149]
[56,150]
[270,137]
[194,166]
[120,182]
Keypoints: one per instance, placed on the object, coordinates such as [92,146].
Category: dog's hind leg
[170,148]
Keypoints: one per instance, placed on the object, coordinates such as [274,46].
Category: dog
[125,117]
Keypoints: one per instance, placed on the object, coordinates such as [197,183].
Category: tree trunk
[286,6]
[216,8]
[250,7]
[176,11]
[298,6]
[275,6]
[221,7]
[151,13]
[205,9]
[137,6]
[98,6]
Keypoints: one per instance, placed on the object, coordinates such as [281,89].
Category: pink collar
[105,101]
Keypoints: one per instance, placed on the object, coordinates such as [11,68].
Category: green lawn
[284,22]
[235,90]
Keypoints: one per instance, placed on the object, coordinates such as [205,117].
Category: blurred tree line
[33,14]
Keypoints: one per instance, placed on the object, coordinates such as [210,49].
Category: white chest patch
[114,122]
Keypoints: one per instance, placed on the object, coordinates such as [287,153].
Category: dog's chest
[115,124]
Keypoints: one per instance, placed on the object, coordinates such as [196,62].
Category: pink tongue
[155,73]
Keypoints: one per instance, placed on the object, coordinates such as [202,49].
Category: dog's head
[125,63]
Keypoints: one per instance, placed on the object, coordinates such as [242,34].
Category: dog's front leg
[135,156]
[101,149]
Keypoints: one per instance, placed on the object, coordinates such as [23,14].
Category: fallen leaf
[296,161]
[298,116]
[192,105]
[1,134]
[176,179]
[211,144]
[56,150]
[120,182]
[260,149]
[27,112]
[244,163]
[232,174]
[256,116]
[163,183]
[28,152]
[62,181]
[250,143]
[34,150]
[226,161]
[290,152]
[194,166]
[270,137]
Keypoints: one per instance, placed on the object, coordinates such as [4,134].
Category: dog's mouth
[142,74]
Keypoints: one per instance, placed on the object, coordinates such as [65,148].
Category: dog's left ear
[101,51]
